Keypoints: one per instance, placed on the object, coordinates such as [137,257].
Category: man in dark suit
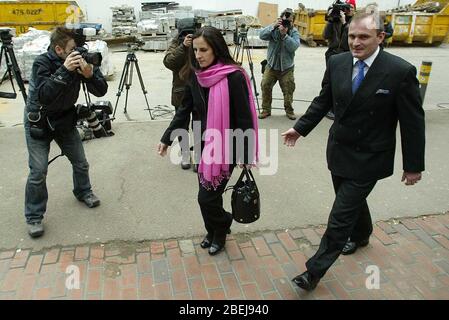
[370,91]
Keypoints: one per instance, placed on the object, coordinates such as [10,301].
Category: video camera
[337,7]
[5,35]
[81,34]
[187,26]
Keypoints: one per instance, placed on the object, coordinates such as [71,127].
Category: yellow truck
[42,15]
[410,27]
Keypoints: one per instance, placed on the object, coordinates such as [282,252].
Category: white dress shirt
[368,62]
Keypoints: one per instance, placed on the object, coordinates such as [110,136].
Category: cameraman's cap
[351,2]
[288,10]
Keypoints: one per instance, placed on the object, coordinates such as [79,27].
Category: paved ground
[411,254]
[146,197]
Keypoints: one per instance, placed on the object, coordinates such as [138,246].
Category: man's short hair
[60,37]
[377,22]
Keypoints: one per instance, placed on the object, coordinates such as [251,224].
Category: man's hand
[342,17]
[283,30]
[290,137]
[72,62]
[278,23]
[188,41]
[411,178]
[162,149]
[86,69]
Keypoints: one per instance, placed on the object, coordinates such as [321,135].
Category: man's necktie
[359,77]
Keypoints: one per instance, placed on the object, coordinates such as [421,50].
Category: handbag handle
[249,176]
[248,173]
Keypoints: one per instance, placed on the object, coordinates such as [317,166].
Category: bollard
[424,75]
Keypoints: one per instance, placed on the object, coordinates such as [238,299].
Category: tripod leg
[143,89]
[121,84]
[251,68]
[8,72]
[16,70]
[129,83]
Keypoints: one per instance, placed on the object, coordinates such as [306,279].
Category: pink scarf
[213,167]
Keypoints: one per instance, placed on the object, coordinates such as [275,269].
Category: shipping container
[42,15]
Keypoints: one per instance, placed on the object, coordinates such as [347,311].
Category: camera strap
[49,162]
[86,93]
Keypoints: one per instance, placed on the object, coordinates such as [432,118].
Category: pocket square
[383,91]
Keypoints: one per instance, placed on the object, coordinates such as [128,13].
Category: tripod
[12,68]
[239,52]
[127,80]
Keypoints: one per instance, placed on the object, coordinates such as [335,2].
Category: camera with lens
[286,23]
[187,26]
[5,35]
[85,110]
[337,7]
[80,36]
[94,58]
[98,122]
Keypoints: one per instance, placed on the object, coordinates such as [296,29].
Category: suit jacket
[362,139]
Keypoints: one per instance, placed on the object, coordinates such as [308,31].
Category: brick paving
[411,254]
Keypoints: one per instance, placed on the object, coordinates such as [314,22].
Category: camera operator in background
[283,40]
[50,114]
[338,19]
[175,58]
[388,29]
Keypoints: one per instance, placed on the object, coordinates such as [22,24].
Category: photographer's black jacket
[336,34]
[56,89]
[196,102]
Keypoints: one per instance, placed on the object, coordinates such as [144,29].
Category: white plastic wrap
[107,68]
[35,42]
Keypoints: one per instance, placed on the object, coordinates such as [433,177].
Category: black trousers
[216,219]
[349,218]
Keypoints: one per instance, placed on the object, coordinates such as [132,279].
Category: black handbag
[245,198]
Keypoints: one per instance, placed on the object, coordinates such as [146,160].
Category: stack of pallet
[123,21]
[158,23]
[429,6]
[226,22]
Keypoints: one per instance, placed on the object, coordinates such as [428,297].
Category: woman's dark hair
[60,37]
[215,40]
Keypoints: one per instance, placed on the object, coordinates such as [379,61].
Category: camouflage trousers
[286,82]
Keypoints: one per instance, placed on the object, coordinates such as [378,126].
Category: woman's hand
[162,149]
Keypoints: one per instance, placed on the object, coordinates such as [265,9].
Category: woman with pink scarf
[219,97]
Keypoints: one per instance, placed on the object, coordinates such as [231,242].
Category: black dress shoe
[215,248]
[351,246]
[218,242]
[306,281]
[207,242]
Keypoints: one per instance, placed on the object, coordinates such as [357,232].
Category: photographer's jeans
[36,194]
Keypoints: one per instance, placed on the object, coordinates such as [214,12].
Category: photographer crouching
[50,114]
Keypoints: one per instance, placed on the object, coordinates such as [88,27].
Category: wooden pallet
[226,13]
